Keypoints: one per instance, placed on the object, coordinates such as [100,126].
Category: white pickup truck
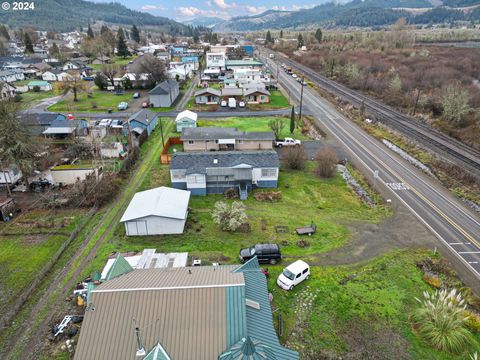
[287,142]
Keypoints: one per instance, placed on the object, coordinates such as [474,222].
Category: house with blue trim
[202,313]
[143,119]
[215,172]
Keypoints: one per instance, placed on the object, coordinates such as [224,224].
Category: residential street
[456,226]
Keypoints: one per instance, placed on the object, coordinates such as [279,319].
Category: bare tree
[153,67]
[111,71]
[277,125]
[295,157]
[74,83]
[326,162]
[455,103]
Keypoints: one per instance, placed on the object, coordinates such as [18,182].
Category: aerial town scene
[240,180]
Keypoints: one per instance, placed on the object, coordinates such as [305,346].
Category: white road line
[458,243]
[473,262]
[469,252]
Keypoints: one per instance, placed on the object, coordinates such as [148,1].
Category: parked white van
[293,275]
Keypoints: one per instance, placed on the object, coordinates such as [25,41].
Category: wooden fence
[165,157]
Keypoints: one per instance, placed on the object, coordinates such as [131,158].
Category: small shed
[186,119]
[41,85]
[157,211]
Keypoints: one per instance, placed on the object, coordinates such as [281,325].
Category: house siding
[207,99]
[165,100]
[154,225]
[185,123]
[150,127]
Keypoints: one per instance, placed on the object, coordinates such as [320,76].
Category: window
[216,141]
[191,142]
[207,141]
[305,271]
[240,141]
[269,172]
[178,174]
[195,179]
[298,275]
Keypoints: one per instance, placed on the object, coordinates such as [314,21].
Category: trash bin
[109,111]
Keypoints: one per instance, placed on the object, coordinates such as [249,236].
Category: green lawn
[328,203]
[27,244]
[339,305]
[253,124]
[103,100]
[29,97]
[277,100]
[115,60]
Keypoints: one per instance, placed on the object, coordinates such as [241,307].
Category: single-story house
[227,139]
[10,175]
[112,150]
[70,174]
[62,127]
[158,211]
[72,65]
[231,92]
[11,75]
[186,119]
[243,64]
[164,94]
[7,91]
[164,56]
[215,172]
[207,96]
[147,259]
[257,96]
[37,122]
[144,119]
[218,312]
[55,75]
[101,60]
[42,85]
[191,60]
[181,74]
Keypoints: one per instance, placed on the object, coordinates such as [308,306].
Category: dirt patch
[36,239]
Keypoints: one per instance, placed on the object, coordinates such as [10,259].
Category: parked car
[232,103]
[136,95]
[105,122]
[287,142]
[122,106]
[293,275]
[294,76]
[265,253]
[223,103]
[241,104]
[145,104]
[116,124]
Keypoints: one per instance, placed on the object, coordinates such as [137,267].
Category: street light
[301,99]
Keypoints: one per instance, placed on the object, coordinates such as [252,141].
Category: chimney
[140,348]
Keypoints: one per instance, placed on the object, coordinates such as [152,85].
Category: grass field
[27,244]
[363,310]
[115,60]
[29,97]
[252,124]
[104,100]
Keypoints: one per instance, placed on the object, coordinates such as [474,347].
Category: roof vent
[215,161]
[252,304]
[140,348]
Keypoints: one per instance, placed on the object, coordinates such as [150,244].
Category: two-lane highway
[446,216]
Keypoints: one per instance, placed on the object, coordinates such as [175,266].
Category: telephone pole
[301,101]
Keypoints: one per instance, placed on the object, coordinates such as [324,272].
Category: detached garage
[158,211]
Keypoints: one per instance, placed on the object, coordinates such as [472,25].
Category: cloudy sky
[188,9]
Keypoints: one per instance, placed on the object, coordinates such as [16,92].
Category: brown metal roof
[190,324]
[199,276]
[184,311]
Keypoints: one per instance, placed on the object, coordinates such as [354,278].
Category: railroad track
[446,147]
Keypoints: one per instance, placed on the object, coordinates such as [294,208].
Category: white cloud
[223,5]
[152,7]
[300,7]
[279,8]
[189,11]
[255,10]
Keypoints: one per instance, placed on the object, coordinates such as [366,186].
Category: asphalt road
[456,226]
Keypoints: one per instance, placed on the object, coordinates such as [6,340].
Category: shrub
[473,321]
[36,88]
[229,218]
[432,280]
[268,196]
[441,321]
[231,193]
[295,157]
[326,162]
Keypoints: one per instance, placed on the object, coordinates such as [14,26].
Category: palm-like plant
[441,321]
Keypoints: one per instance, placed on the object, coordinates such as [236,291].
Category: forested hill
[363,13]
[65,15]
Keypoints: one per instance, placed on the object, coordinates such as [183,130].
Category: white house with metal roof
[158,211]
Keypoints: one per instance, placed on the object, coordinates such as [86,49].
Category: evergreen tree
[27,40]
[300,41]
[319,35]
[104,29]
[292,120]
[135,33]
[214,39]
[122,49]
[268,38]
[4,32]
[54,51]
[281,34]
[90,33]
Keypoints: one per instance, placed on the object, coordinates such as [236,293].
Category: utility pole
[161,131]
[131,151]
[301,101]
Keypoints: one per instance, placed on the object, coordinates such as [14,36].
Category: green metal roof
[90,287]
[236,315]
[157,353]
[38,83]
[260,321]
[243,63]
[119,267]
[249,349]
